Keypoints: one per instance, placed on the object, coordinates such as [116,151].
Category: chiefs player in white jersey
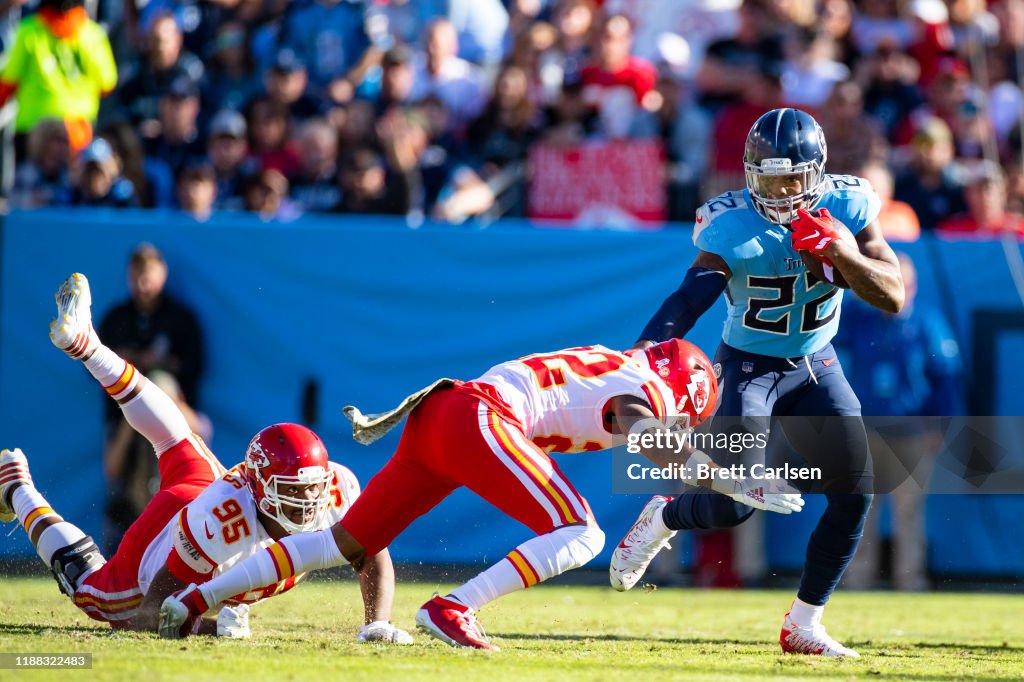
[492,436]
[203,520]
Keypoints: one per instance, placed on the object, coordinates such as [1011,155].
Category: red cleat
[452,623]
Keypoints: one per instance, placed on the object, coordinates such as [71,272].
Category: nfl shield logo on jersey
[747,367]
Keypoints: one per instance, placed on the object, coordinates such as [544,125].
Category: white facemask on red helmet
[283,456]
[689,375]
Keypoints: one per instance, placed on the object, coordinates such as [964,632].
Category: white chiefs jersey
[561,397]
[222,527]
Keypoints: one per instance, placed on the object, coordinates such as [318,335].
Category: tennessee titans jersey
[776,307]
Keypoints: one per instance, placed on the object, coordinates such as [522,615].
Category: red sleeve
[6,90]
[183,572]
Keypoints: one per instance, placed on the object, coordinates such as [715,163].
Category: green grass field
[545,633]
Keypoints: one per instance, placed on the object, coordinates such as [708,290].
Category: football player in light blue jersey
[776,359]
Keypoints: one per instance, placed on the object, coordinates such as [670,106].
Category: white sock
[106,366]
[152,413]
[658,523]
[291,556]
[31,507]
[534,561]
[805,615]
[500,579]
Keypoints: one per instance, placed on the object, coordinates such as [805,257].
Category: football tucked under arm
[813,232]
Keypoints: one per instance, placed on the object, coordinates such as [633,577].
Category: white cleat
[812,641]
[641,544]
[72,330]
[13,469]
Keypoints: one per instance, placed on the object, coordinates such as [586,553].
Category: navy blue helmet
[784,164]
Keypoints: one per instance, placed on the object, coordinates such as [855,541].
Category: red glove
[813,233]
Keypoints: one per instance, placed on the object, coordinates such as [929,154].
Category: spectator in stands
[368,186]
[58,68]
[569,120]
[537,53]
[316,187]
[286,83]
[811,70]
[685,130]
[330,37]
[152,331]
[440,72]
[879,22]
[97,179]
[504,131]
[762,93]
[897,218]
[945,96]
[575,21]
[228,150]
[889,79]
[265,193]
[150,176]
[972,27]
[616,83]
[355,122]
[986,216]
[481,26]
[232,79]
[40,179]
[733,65]
[179,141]
[199,20]
[269,143]
[931,182]
[854,139]
[835,18]
[148,79]
[396,79]
[903,365]
[197,189]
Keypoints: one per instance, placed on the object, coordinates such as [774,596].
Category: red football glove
[813,233]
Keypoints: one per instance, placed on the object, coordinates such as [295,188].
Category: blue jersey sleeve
[851,200]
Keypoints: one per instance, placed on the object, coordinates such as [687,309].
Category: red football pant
[112,593]
[454,438]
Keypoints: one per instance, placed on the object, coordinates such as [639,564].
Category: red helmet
[690,376]
[283,455]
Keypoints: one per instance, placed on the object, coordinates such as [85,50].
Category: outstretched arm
[633,416]
[704,283]
[377,583]
[164,585]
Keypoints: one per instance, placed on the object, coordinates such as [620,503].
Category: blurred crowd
[429,108]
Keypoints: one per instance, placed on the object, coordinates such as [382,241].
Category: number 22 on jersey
[585,362]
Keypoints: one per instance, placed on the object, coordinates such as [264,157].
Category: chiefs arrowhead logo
[256,458]
[699,390]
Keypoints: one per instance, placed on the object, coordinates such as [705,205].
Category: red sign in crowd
[617,183]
